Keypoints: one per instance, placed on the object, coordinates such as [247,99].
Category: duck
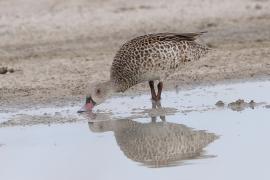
[147,58]
[156,144]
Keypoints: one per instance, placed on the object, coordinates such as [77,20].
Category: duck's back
[154,56]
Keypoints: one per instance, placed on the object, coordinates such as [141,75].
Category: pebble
[3,70]
[267,106]
[258,7]
[220,103]
[11,70]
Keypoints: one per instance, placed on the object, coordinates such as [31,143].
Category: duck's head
[98,93]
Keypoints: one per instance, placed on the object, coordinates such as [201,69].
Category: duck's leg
[154,118]
[160,107]
[160,86]
[153,92]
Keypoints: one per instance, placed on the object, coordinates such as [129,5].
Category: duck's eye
[98,91]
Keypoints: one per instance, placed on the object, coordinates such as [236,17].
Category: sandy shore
[58,48]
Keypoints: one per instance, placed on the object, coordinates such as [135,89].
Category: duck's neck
[112,86]
[115,86]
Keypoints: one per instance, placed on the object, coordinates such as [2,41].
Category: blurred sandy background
[58,47]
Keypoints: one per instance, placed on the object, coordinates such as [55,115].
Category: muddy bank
[226,98]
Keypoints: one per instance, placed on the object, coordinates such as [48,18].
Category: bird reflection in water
[157,143]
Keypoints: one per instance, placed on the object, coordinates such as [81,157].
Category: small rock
[238,102]
[238,105]
[3,70]
[11,70]
[267,106]
[252,104]
[144,7]
[220,103]
[259,40]
[211,25]
[258,7]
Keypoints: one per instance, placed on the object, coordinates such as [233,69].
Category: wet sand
[237,97]
[58,48]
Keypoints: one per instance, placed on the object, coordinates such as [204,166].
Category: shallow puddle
[187,136]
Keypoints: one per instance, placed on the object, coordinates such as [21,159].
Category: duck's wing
[177,36]
[152,38]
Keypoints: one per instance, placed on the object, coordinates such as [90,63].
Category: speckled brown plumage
[154,57]
[156,144]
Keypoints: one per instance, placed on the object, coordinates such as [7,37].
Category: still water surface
[184,137]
